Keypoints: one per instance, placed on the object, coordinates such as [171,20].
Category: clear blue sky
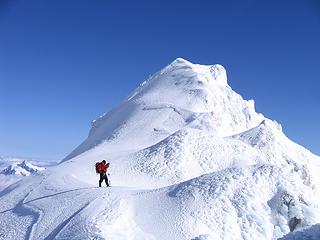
[63,63]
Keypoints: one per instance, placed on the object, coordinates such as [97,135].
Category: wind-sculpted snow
[190,159]
[228,206]
[191,152]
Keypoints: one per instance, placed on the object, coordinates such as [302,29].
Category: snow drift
[190,159]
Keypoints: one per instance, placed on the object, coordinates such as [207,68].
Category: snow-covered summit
[180,94]
[23,168]
[215,72]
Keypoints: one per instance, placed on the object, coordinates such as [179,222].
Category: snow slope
[190,159]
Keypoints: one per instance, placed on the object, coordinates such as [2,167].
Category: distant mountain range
[23,168]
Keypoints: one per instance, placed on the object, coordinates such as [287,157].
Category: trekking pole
[109,182]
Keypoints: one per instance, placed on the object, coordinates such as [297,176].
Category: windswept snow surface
[190,159]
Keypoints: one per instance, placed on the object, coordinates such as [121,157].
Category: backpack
[98,167]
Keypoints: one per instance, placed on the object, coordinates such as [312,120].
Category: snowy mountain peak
[23,168]
[180,94]
[213,73]
[180,60]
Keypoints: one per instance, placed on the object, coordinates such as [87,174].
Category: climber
[101,168]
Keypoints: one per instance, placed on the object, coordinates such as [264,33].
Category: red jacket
[103,167]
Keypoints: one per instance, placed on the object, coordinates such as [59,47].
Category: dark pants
[103,176]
